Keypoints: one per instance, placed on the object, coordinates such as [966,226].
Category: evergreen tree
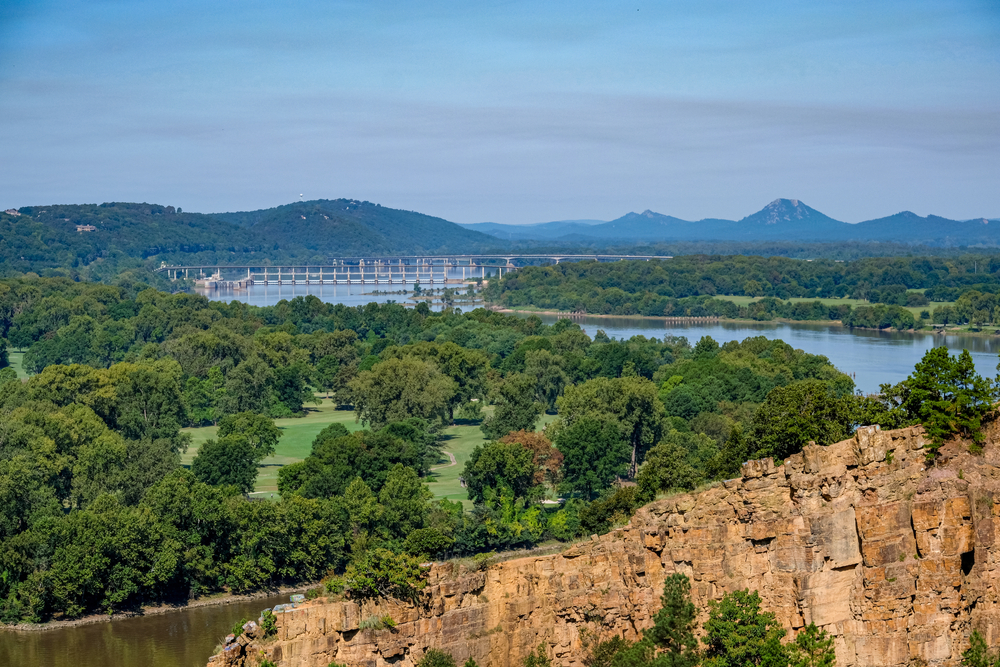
[673,632]
[813,648]
[739,634]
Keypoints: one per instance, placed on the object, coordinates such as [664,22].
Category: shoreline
[159,610]
[728,320]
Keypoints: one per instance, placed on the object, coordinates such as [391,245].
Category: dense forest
[45,239]
[696,286]
[96,512]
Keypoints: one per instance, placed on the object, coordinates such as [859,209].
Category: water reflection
[871,357]
[183,638]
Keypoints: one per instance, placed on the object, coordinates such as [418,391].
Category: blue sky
[505,111]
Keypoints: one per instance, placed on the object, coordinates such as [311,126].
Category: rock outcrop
[894,558]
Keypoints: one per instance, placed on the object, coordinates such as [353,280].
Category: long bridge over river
[425,269]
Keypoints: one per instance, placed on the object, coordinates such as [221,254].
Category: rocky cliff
[894,558]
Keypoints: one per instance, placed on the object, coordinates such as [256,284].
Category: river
[871,357]
[180,638]
[186,638]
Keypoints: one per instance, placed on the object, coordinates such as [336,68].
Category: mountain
[351,227]
[538,230]
[76,237]
[781,220]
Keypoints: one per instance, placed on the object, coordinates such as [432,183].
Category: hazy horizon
[513,113]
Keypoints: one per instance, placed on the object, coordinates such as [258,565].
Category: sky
[513,112]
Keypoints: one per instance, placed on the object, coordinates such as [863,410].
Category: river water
[186,638]
[871,357]
[181,638]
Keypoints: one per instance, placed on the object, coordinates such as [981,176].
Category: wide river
[186,638]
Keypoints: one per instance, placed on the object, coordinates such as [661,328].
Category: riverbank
[965,331]
[209,601]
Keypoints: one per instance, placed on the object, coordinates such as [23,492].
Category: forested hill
[44,239]
[334,226]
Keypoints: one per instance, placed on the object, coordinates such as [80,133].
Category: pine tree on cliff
[670,642]
[739,634]
[673,633]
[813,648]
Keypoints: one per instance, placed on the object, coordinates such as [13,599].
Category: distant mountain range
[781,220]
[85,238]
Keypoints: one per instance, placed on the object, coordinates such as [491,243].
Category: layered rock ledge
[894,558]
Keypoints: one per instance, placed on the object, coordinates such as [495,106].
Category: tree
[405,502]
[739,634]
[259,431]
[325,374]
[791,416]
[595,454]
[465,366]
[397,389]
[813,648]
[380,573]
[672,633]
[538,658]
[546,458]
[978,654]
[228,461]
[515,407]
[248,387]
[498,465]
[436,658]
[550,376]
[632,402]
[666,469]
[949,397]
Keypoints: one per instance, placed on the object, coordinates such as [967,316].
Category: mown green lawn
[297,435]
[853,303]
[460,440]
[16,361]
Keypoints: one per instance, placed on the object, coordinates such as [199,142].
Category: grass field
[297,435]
[16,360]
[853,303]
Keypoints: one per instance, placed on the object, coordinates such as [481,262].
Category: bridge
[401,269]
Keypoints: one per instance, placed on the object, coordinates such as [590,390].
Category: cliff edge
[896,559]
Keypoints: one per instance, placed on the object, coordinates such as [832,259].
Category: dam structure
[424,269]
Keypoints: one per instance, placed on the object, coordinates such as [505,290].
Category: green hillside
[347,226]
[47,239]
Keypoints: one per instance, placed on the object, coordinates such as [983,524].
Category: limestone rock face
[894,558]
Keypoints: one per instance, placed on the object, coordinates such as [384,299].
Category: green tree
[538,658]
[405,502]
[550,376]
[498,465]
[632,402]
[595,454]
[813,648]
[666,468]
[228,461]
[259,431]
[325,373]
[397,389]
[673,629]
[380,573]
[248,387]
[949,397]
[791,416]
[978,654]
[515,407]
[436,658]
[739,634]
